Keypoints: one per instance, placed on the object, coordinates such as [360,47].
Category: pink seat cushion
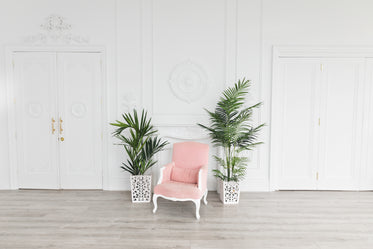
[184,175]
[178,190]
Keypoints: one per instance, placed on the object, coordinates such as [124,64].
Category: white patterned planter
[229,192]
[141,188]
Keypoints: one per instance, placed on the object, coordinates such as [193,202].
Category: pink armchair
[185,178]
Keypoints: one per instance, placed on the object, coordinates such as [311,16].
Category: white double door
[58,117]
[317,123]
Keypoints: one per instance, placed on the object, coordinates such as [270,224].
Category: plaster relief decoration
[35,109]
[188,81]
[78,109]
[55,30]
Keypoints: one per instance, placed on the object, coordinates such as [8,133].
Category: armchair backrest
[188,157]
[191,155]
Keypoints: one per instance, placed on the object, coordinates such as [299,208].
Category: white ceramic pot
[229,192]
[141,188]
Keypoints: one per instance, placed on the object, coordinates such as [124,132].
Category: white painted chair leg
[155,197]
[205,198]
[198,204]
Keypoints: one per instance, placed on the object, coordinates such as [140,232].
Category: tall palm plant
[141,142]
[230,129]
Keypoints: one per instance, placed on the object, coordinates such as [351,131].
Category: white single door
[296,130]
[340,124]
[79,81]
[36,116]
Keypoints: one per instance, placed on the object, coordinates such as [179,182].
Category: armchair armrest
[165,173]
[202,177]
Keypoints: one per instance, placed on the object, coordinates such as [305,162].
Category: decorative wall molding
[283,51]
[231,41]
[55,30]
[147,42]
[188,81]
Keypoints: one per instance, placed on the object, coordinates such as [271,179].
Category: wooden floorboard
[108,220]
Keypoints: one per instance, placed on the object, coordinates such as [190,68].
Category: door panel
[339,124]
[35,84]
[79,77]
[299,79]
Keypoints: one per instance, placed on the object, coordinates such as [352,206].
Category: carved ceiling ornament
[55,30]
[188,81]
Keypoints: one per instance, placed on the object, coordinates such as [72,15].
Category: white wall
[221,40]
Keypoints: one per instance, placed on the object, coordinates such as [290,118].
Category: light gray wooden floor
[102,219]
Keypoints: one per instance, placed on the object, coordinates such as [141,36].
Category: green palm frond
[140,142]
[231,129]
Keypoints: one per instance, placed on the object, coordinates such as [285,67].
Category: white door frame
[9,64]
[301,52]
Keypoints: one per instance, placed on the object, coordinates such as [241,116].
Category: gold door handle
[53,129]
[62,139]
[61,130]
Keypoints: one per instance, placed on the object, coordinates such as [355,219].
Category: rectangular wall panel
[188,59]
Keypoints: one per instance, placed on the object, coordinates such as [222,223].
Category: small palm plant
[230,129]
[141,144]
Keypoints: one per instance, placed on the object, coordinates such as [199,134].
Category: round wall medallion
[188,81]
[35,109]
[78,109]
